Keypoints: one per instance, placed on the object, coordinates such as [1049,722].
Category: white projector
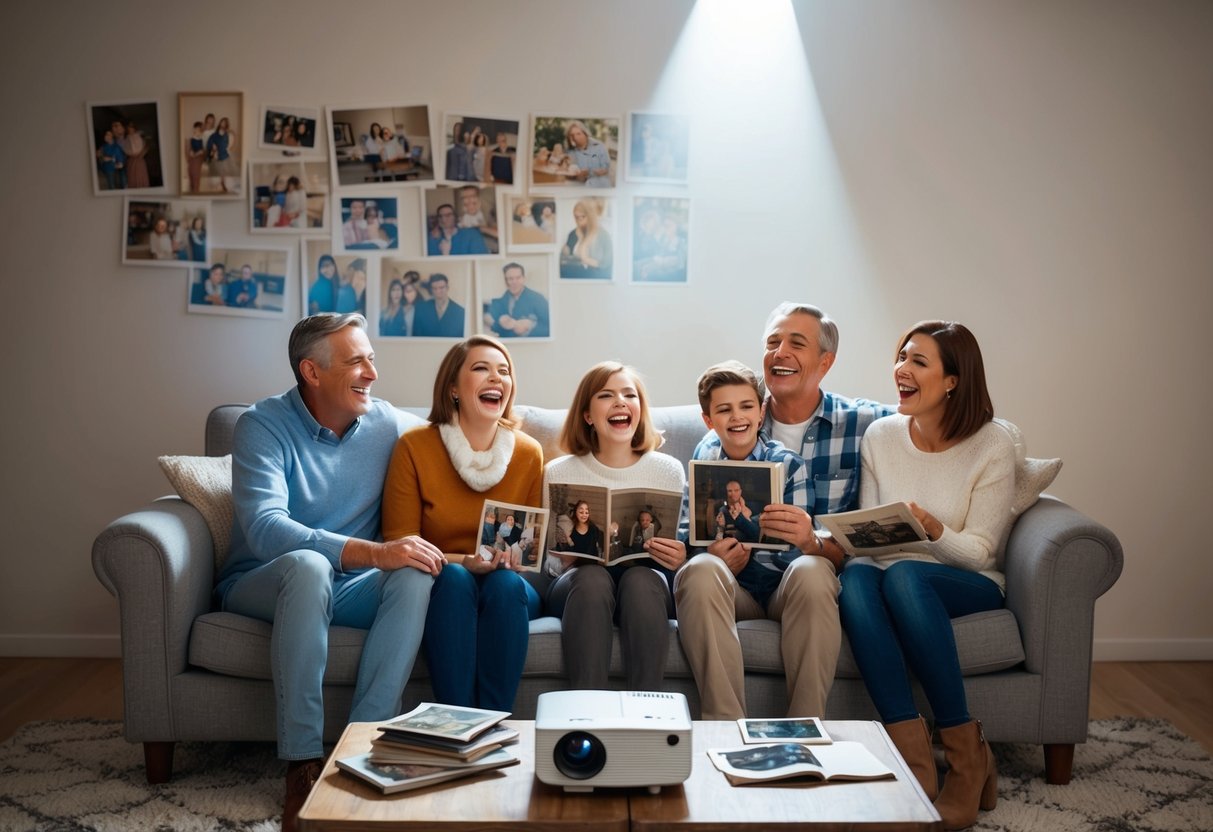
[586,739]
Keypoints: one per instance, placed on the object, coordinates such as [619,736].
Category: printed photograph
[479,149]
[661,227]
[587,232]
[247,282]
[288,197]
[420,300]
[727,498]
[460,220]
[451,722]
[791,729]
[658,148]
[289,129]
[211,132]
[574,152]
[125,142]
[517,530]
[532,222]
[333,282]
[368,223]
[165,232]
[513,296]
[380,144]
[610,525]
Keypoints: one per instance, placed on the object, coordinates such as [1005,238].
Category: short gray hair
[827,340]
[309,338]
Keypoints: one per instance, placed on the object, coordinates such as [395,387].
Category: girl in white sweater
[612,443]
[941,453]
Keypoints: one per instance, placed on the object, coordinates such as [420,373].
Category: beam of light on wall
[760,147]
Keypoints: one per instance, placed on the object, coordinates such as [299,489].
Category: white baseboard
[1153,650]
[60,647]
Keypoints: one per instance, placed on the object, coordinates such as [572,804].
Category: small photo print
[480,149]
[574,152]
[807,730]
[586,230]
[460,220]
[246,282]
[332,282]
[450,722]
[288,197]
[727,498]
[520,531]
[165,232]
[532,222]
[380,144]
[369,223]
[292,130]
[126,144]
[658,148]
[661,227]
[421,299]
[212,143]
[513,296]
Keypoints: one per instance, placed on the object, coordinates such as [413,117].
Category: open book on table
[836,762]
[874,531]
[618,522]
[520,529]
[727,497]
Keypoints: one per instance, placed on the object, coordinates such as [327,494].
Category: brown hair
[579,438]
[968,406]
[443,409]
[725,374]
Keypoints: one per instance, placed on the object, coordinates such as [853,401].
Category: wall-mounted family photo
[372,145]
[126,144]
[212,144]
[245,282]
[165,232]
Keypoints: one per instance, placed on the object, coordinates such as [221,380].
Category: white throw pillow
[1032,476]
[205,482]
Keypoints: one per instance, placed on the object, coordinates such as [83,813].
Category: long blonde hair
[592,208]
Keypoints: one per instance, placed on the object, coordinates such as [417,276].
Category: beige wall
[1039,170]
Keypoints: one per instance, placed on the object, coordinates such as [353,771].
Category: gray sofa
[190,673]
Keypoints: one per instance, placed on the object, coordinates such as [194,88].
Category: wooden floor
[36,689]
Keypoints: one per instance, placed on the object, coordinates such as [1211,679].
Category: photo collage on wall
[433,225]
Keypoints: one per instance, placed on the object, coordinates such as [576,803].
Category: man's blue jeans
[300,595]
[476,636]
[902,617]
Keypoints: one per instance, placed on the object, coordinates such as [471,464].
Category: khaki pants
[710,602]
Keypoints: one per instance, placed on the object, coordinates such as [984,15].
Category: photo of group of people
[212,152]
[243,282]
[480,149]
[660,231]
[289,129]
[518,530]
[460,220]
[532,225]
[165,232]
[288,196]
[126,145]
[380,144]
[370,223]
[419,301]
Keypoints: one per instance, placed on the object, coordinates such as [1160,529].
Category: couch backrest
[681,425]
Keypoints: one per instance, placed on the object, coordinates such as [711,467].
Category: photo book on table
[837,762]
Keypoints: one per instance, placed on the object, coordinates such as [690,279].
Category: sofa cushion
[205,482]
[1032,476]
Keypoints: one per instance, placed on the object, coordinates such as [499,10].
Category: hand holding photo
[513,535]
[875,531]
[727,498]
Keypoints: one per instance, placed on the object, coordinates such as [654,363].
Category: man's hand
[413,551]
[730,550]
[668,552]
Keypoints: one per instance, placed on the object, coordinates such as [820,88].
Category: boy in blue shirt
[113,162]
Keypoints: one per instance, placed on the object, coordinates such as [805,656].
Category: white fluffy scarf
[479,469]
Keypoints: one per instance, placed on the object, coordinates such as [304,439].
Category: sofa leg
[1059,762]
[158,760]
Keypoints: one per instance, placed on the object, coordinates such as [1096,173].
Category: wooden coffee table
[706,802]
[511,798]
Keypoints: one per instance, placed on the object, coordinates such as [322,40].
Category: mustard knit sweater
[424,494]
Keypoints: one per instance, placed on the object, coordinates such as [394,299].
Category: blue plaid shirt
[830,449]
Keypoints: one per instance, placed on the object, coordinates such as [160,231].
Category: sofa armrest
[1058,562]
[159,562]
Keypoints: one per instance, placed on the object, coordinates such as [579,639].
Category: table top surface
[511,798]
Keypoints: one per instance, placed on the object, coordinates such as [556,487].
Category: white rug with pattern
[1132,775]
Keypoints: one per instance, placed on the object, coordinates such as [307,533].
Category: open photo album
[838,762]
[727,498]
[609,525]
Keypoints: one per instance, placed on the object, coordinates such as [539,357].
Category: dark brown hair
[725,374]
[443,407]
[968,406]
[578,438]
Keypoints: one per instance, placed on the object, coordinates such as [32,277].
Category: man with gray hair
[307,485]
[822,429]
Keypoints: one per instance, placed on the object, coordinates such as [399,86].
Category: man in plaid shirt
[798,588]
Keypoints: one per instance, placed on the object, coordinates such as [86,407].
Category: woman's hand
[668,552]
[933,527]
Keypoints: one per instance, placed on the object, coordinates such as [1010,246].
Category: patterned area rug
[1132,774]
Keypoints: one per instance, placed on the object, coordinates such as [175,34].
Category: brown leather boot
[301,775]
[972,779]
[913,741]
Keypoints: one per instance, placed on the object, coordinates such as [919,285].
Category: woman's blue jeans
[899,620]
[476,636]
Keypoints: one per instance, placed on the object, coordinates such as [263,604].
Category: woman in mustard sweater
[440,475]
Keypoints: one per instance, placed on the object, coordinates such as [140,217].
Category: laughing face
[342,384]
[793,364]
[735,413]
[483,385]
[614,410]
[922,384]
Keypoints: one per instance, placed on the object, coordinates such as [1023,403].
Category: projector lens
[579,755]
